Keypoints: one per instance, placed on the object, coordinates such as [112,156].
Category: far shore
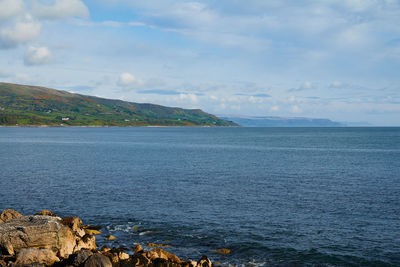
[107,126]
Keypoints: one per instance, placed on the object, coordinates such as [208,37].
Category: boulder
[138,248]
[204,262]
[111,237]
[140,259]
[223,251]
[46,213]
[98,260]
[41,231]
[75,223]
[80,257]
[8,215]
[33,255]
[159,253]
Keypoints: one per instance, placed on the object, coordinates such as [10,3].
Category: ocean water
[274,196]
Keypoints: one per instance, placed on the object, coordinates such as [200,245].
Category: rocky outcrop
[8,215]
[47,240]
[33,255]
[40,231]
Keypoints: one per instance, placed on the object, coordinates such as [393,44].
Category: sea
[272,196]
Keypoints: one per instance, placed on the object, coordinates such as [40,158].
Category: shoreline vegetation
[44,239]
[24,105]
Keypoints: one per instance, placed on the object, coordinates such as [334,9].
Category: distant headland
[23,105]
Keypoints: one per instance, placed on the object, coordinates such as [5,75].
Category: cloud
[189,97]
[21,32]
[336,84]
[10,8]
[274,108]
[305,86]
[160,92]
[128,80]
[295,109]
[61,9]
[37,56]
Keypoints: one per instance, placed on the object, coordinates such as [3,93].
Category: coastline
[44,239]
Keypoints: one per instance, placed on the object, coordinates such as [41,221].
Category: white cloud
[61,9]
[295,109]
[274,108]
[336,84]
[307,85]
[21,32]
[128,80]
[191,97]
[37,56]
[10,8]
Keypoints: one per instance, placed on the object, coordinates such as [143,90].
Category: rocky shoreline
[45,239]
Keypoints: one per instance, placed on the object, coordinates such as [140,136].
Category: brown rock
[123,256]
[159,253]
[75,223]
[111,237]
[98,260]
[41,232]
[223,251]
[105,249]
[34,255]
[140,259]
[138,248]
[46,213]
[8,215]
[92,232]
[204,262]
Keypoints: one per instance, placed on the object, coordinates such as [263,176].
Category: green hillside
[33,105]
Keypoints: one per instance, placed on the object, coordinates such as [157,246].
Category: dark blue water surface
[274,196]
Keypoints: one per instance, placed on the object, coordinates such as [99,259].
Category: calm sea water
[274,196]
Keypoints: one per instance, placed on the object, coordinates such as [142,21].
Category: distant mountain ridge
[34,105]
[271,121]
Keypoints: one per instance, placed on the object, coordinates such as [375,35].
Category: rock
[41,231]
[98,260]
[140,259]
[8,215]
[80,257]
[123,256]
[46,213]
[92,227]
[34,255]
[92,232]
[159,253]
[105,249]
[204,262]
[223,251]
[75,223]
[86,242]
[138,248]
[116,255]
[111,237]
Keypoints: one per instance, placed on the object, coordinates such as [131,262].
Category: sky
[336,59]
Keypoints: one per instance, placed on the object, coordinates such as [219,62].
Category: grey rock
[98,260]
[40,231]
[80,257]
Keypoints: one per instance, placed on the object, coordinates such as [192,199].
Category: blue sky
[323,59]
